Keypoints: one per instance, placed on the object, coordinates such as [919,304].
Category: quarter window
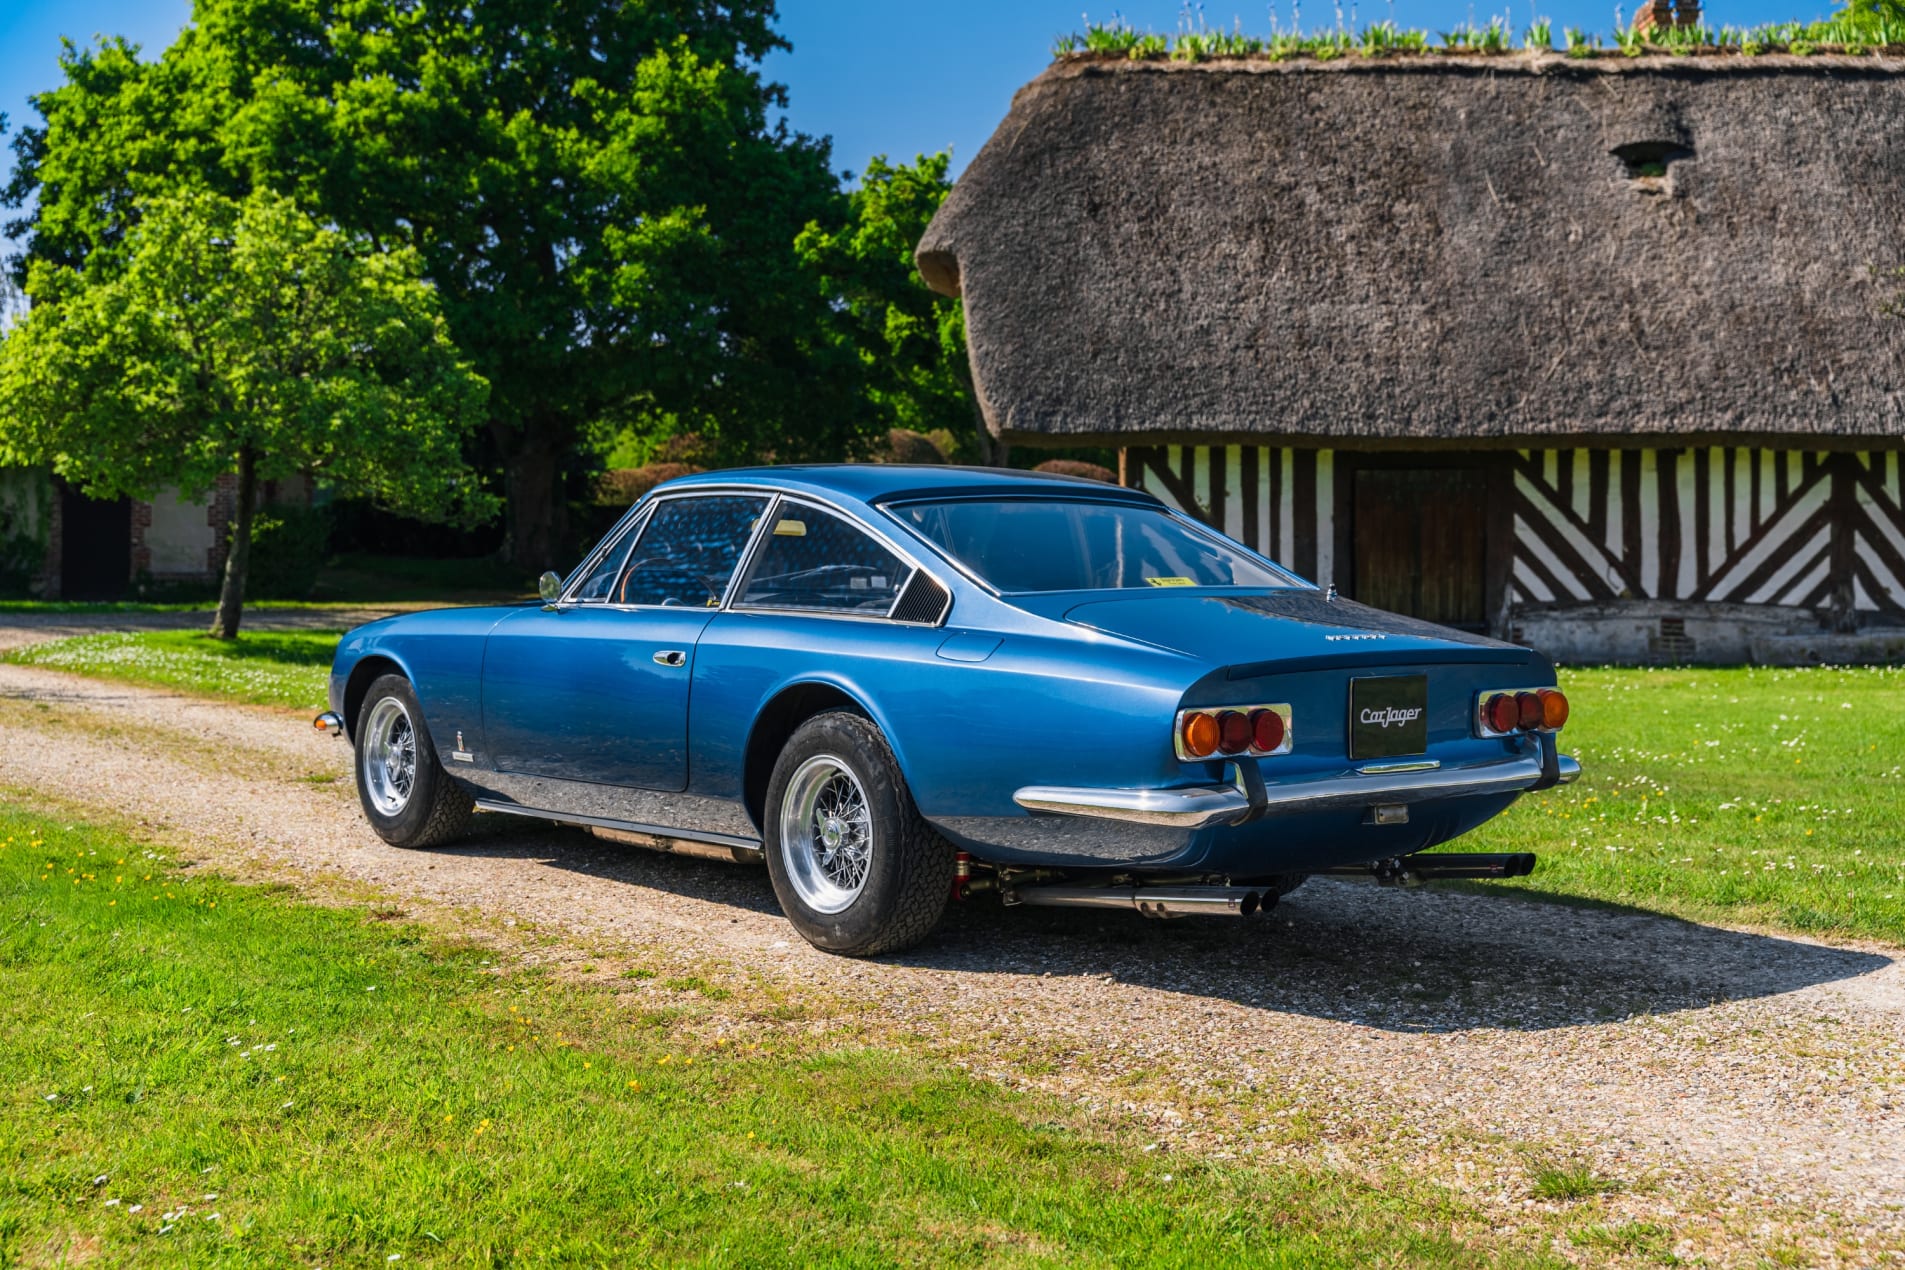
[817,560]
[689,550]
[599,585]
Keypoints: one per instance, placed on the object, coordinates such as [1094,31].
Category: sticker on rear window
[1170,582]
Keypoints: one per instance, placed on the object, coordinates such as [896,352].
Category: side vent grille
[924,600]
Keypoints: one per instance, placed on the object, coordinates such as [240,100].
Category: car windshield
[1020,546]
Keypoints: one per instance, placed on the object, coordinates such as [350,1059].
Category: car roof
[887,482]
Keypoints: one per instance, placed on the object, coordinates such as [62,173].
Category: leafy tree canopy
[243,336]
[1888,11]
[593,187]
[910,340]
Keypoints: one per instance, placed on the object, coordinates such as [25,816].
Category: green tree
[909,340]
[595,188]
[241,337]
[1891,11]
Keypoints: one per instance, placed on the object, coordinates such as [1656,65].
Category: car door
[595,687]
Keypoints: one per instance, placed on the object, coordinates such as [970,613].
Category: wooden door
[95,546]
[1418,536]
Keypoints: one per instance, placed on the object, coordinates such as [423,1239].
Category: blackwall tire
[407,796]
[857,870]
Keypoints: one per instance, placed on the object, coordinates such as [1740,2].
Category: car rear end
[1332,736]
[1374,759]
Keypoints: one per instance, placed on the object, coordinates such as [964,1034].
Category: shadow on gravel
[1403,961]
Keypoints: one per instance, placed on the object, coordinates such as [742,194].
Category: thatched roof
[1438,251]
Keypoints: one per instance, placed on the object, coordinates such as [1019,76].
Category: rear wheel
[856,868]
[407,796]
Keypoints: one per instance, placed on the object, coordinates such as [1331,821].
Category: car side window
[689,550]
[817,560]
[599,585]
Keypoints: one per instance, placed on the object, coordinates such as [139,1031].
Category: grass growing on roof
[200,1072]
[1855,35]
[1754,795]
[271,668]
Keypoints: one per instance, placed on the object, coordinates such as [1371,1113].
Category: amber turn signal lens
[1554,708]
[1266,730]
[1233,730]
[1501,713]
[1201,735]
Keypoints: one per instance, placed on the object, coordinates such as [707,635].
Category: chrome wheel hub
[826,838]
[388,760]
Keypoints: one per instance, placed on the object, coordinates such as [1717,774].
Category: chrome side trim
[621,826]
[1201,805]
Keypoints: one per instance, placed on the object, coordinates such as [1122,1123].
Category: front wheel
[407,796]
[858,871]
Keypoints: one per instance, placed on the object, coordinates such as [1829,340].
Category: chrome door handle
[671,657]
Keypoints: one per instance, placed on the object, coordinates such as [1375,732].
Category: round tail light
[1233,731]
[1200,735]
[1502,714]
[1528,708]
[1554,708]
[1266,730]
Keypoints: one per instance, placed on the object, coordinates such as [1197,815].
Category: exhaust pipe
[679,846]
[1175,901]
[1412,870]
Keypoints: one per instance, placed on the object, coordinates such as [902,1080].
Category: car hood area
[1245,631]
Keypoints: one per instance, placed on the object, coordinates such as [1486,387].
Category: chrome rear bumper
[1197,806]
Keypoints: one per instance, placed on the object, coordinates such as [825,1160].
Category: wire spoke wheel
[826,834]
[389,756]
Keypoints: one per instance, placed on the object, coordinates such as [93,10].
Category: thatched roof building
[1647,274]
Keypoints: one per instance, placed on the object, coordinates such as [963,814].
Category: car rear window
[1023,546]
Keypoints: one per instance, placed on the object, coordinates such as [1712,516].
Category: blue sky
[893,77]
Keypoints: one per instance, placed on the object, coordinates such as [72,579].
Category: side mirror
[550,586]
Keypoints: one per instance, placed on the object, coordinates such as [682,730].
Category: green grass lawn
[203,1073]
[1759,795]
[272,668]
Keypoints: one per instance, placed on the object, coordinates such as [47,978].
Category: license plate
[1388,716]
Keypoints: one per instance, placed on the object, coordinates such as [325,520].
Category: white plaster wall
[180,535]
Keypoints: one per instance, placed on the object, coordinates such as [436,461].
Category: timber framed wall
[1698,525]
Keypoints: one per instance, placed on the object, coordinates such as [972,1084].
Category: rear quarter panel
[1037,710]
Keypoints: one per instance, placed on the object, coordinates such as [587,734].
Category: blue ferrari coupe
[903,686]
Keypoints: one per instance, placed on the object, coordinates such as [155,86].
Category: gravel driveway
[1747,1089]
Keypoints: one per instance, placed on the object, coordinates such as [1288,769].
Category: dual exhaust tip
[1162,901]
[1244,901]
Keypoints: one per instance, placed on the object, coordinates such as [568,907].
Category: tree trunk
[231,596]
[535,509]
